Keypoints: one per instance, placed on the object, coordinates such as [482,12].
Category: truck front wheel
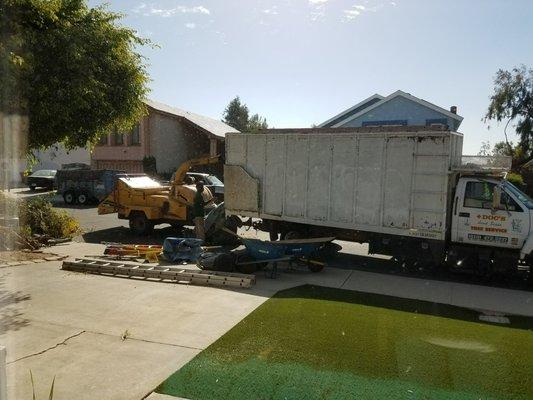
[139,224]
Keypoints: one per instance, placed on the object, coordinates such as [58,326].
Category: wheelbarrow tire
[315,267]
[292,235]
[248,268]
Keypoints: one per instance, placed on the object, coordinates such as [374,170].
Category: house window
[437,121]
[136,135]
[102,141]
[118,138]
[397,122]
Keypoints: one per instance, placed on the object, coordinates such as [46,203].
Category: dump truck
[145,202]
[408,192]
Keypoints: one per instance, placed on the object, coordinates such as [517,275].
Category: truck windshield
[524,198]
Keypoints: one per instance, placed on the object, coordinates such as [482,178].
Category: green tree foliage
[256,123]
[237,116]
[513,101]
[71,68]
[516,179]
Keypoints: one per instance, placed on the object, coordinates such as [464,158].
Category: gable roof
[351,111]
[209,125]
[347,116]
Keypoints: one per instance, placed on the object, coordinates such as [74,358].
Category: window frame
[394,122]
[137,142]
[502,207]
[436,122]
[116,135]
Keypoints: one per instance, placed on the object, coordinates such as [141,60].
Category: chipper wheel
[139,224]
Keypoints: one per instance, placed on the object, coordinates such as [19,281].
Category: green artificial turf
[319,343]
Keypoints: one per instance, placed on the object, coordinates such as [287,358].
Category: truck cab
[493,213]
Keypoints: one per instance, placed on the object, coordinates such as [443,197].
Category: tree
[256,123]
[513,101]
[71,68]
[237,116]
[518,157]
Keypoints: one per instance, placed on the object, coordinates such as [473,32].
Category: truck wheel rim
[82,198]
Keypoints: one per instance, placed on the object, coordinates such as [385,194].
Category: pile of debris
[31,224]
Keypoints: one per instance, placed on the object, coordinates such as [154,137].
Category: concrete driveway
[105,338]
[112,338]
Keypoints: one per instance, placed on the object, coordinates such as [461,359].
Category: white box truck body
[396,188]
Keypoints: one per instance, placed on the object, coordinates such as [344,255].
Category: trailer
[82,186]
[406,191]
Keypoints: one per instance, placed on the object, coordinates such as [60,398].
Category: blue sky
[300,62]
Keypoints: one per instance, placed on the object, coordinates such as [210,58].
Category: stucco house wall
[170,135]
[398,109]
[55,156]
[173,142]
[127,156]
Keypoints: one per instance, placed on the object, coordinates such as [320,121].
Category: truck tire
[293,235]
[178,226]
[83,198]
[69,197]
[139,224]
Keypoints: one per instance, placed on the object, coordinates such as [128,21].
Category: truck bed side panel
[399,167]
[369,183]
[274,174]
[343,179]
[319,170]
[385,182]
[296,177]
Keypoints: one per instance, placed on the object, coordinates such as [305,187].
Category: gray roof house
[399,108]
[168,134]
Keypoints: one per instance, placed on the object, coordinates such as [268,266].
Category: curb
[34,261]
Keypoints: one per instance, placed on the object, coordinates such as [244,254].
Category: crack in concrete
[346,280]
[64,342]
[115,336]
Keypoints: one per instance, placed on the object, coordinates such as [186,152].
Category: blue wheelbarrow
[260,252]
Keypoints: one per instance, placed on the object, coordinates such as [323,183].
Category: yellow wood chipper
[145,202]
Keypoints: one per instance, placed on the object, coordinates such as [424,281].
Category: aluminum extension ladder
[160,273]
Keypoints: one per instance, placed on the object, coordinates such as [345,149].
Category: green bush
[39,217]
[515,179]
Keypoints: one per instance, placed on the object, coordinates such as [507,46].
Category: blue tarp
[182,249]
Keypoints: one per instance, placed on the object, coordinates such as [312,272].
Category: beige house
[169,135]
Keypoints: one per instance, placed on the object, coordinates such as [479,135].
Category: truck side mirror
[496,197]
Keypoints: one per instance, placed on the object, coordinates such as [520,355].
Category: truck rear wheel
[69,197]
[83,198]
[139,224]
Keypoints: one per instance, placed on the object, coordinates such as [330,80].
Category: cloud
[351,14]
[190,25]
[357,9]
[271,11]
[152,10]
[318,9]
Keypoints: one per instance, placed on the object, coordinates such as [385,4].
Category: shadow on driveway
[121,234]
[10,318]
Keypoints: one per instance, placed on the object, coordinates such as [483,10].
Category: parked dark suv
[43,178]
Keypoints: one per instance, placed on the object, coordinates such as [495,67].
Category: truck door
[476,222]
